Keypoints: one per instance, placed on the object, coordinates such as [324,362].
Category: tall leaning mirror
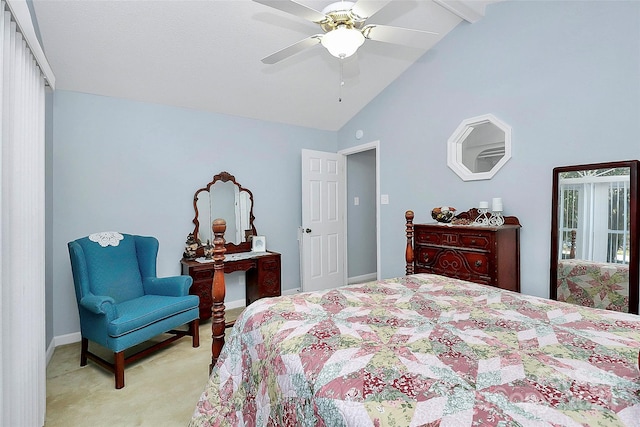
[595,255]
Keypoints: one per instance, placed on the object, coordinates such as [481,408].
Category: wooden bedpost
[572,250]
[218,291]
[409,252]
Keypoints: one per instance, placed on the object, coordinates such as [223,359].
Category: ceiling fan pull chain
[341,81]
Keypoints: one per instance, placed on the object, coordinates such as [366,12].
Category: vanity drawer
[270,265]
[203,275]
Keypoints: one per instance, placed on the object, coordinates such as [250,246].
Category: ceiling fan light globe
[342,42]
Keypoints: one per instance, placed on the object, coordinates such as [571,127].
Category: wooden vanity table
[234,204]
[262,276]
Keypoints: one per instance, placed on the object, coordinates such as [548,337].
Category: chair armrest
[99,305]
[175,286]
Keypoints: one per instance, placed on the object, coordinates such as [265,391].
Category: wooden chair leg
[84,347]
[194,327]
[119,369]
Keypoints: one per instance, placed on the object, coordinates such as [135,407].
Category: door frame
[374,145]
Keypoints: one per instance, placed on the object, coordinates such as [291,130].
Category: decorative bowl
[443,214]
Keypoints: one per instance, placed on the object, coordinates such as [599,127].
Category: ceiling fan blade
[296,9]
[292,50]
[397,35]
[365,9]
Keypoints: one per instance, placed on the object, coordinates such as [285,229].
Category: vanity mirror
[225,198]
[479,147]
[594,235]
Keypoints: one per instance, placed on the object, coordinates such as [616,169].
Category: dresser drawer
[475,240]
[426,255]
[428,236]
[476,262]
[445,236]
[454,262]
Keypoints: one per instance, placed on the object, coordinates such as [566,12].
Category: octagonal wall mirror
[479,147]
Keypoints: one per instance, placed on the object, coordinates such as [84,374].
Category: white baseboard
[62,340]
[363,278]
[234,304]
[50,351]
[67,339]
[291,291]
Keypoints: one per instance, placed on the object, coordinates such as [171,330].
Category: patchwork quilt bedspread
[424,350]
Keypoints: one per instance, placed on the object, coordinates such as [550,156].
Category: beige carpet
[160,390]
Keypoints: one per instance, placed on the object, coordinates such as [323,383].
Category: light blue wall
[564,75]
[134,168]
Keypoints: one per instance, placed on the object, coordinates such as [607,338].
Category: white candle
[483,205]
[496,204]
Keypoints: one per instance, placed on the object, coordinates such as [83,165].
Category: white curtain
[22,219]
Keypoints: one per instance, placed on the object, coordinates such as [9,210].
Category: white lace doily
[106,238]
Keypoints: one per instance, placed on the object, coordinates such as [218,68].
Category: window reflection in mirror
[594,215]
[479,147]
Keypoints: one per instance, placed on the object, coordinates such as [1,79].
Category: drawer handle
[478,263]
[426,258]
[473,242]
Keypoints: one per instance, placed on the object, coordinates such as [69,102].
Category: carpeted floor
[160,390]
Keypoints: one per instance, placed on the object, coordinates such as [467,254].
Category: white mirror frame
[455,142]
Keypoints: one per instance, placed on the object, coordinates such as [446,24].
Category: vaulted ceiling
[206,55]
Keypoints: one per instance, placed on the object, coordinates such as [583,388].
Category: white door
[322,234]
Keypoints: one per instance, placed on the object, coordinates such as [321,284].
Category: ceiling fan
[344,28]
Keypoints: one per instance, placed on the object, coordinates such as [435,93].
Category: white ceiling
[205,55]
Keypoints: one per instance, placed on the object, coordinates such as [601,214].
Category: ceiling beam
[470,11]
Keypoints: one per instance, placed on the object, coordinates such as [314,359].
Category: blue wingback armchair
[121,301]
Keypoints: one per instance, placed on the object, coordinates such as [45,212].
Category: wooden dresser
[262,277]
[482,254]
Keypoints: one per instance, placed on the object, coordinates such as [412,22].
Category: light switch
[384,199]
[356,201]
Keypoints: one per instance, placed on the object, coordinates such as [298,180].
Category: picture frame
[259,244]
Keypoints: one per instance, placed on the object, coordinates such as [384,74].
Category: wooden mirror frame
[230,246]
[634,241]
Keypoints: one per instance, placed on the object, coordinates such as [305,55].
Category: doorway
[362,246]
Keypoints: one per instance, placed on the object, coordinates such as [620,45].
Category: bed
[424,350]
[592,284]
